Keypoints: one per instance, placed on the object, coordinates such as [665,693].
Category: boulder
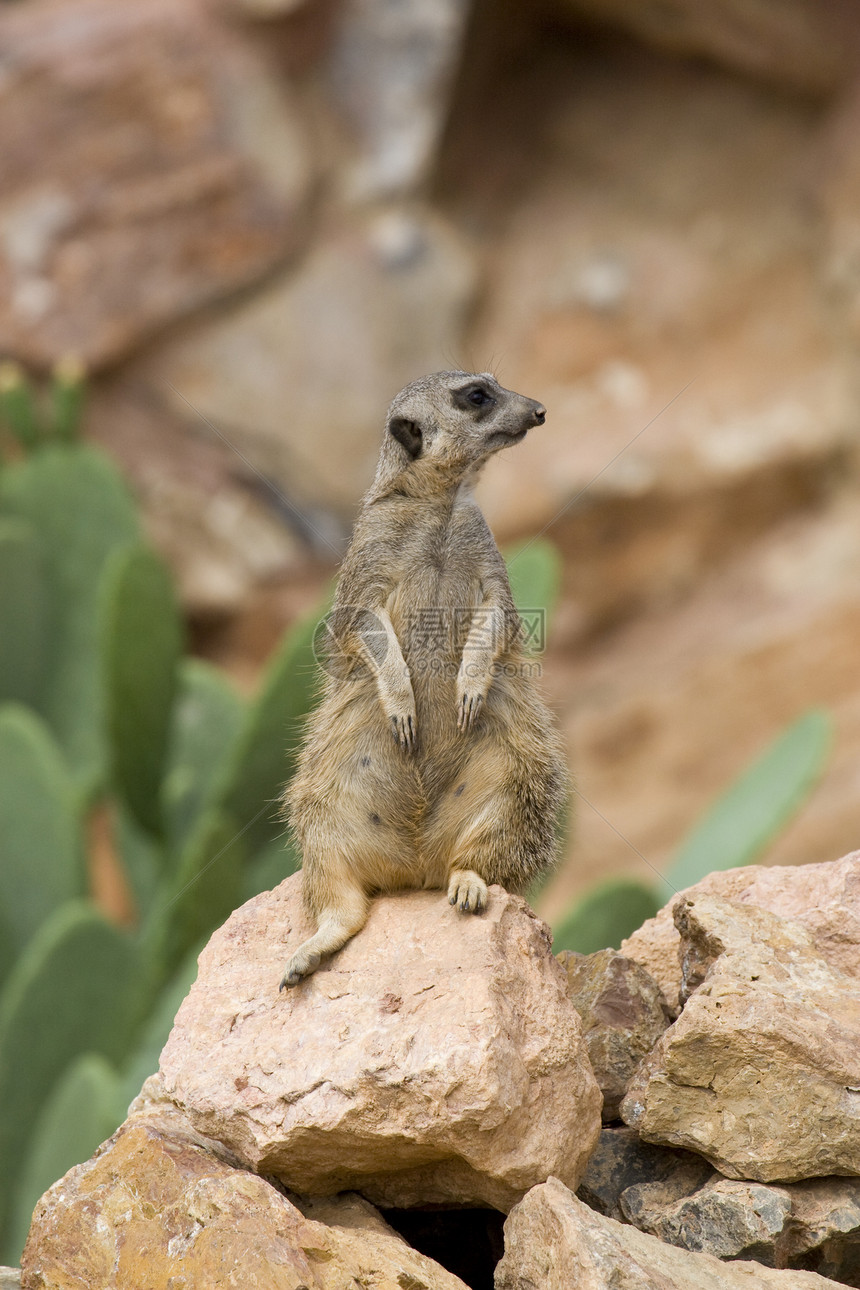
[389,73]
[623,1015]
[158,1207]
[805,45]
[813,1225]
[151,164]
[436,1059]
[761,1072]
[622,1162]
[554,1241]
[824,898]
[299,375]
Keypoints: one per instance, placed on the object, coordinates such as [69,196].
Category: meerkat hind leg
[468,891]
[336,925]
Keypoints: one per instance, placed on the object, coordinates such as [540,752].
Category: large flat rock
[436,1059]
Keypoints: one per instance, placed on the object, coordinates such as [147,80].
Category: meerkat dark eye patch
[474,398]
[407,433]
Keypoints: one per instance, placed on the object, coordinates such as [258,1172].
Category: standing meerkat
[431,760]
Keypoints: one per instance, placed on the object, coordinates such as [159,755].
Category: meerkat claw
[299,966]
[467,712]
[468,892]
[403,729]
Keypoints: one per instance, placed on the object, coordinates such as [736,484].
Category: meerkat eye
[478,397]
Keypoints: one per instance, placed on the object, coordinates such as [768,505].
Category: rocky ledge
[375,1125]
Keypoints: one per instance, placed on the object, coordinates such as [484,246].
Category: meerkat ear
[407,433]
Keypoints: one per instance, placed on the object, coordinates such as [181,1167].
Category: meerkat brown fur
[431,761]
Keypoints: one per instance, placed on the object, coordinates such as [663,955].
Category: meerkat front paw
[302,964]
[467,891]
[468,709]
[404,727]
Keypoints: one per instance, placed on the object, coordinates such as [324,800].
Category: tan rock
[435,1059]
[824,898]
[554,1241]
[158,1207]
[299,376]
[761,1072]
[806,45]
[151,165]
[623,1014]
[10,1278]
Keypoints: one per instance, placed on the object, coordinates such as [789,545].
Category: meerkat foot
[468,711]
[302,964]
[467,891]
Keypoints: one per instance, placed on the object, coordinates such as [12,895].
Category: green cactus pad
[200,893]
[80,511]
[40,842]
[142,646]
[23,613]
[75,989]
[207,717]
[268,744]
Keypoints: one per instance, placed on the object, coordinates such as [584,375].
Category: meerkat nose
[539,413]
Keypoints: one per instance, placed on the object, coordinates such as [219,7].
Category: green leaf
[751,812]
[142,646]
[80,512]
[23,613]
[270,867]
[41,854]
[605,915]
[207,717]
[80,1114]
[535,569]
[144,1059]
[202,891]
[75,989]
[266,750]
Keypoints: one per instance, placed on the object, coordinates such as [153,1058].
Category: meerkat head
[455,421]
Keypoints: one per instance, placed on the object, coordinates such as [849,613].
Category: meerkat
[431,761]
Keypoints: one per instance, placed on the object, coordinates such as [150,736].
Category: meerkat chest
[440,587]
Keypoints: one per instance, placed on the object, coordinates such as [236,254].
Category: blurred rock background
[254,220]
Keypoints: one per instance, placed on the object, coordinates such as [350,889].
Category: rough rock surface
[389,71]
[621,1162]
[813,1225]
[159,1207]
[10,1278]
[623,1015]
[435,1059]
[379,299]
[824,898]
[806,45]
[761,1071]
[171,171]
[554,1241]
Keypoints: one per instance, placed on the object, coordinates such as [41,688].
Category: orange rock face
[158,1207]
